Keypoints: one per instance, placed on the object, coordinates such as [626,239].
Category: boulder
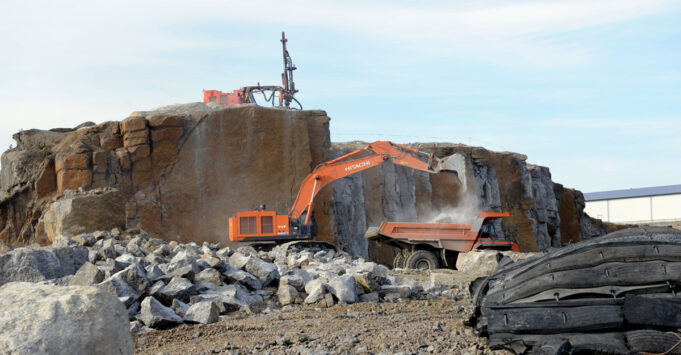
[42,319]
[62,241]
[181,259]
[87,275]
[337,267]
[344,288]
[224,253]
[153,259]
[93,256]
[204,312]
[116,286]
[156,288]
[212,261]
[264,271]
[154,272]
[133,309]
[108,250]
[156,315]
[179,307]
[232,297]
[71,258]
[85,213]
[33,265]
[178,288]
[287,294]
[86,240]
[136,277]
[210,275]
[297,278]
[239,260]
[367,281]
[135,249]
[203,286]
[244,278]
[188,272]
[162,250]
[315,290]
[369,268]
[293,281]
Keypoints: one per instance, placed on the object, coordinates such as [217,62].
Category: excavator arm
[378,153]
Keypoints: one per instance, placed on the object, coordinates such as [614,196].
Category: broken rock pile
[163,284]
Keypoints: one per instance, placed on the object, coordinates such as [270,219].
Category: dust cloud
[465,212]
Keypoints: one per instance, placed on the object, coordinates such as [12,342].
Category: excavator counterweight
[298,224]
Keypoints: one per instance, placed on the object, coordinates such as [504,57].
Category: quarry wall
[184,169]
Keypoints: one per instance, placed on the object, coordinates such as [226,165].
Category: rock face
[41,319]
[543,214]
[182,170]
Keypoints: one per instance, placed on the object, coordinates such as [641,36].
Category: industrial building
[660,205]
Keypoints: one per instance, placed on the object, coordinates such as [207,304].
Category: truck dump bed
[454,237]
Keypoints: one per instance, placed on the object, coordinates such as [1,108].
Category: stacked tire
[615,294]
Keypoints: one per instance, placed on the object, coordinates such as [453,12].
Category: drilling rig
[277,95]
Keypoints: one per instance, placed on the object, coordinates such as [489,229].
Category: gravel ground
[404,326]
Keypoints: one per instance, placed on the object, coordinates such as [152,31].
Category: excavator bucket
[454,163]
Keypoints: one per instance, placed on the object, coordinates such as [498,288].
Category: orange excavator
[263,225]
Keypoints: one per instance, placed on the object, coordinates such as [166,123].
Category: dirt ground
[404,326]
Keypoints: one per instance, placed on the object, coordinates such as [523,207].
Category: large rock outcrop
[184,169]
[543,214]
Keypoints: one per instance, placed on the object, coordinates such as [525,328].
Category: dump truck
[432,245]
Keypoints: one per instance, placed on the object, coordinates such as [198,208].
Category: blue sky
[591,89]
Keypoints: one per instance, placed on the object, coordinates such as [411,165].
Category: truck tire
[423,260]
[398,260]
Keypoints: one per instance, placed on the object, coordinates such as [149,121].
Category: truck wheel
[422,260]
[398,261]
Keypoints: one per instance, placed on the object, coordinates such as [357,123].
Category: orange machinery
[298,224]
[428,245]
[271,93]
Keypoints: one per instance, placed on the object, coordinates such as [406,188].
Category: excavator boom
[266,225]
